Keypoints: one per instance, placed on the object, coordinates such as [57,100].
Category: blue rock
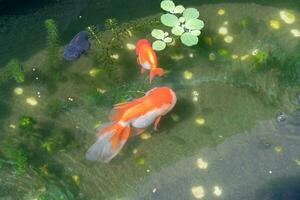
[78,45]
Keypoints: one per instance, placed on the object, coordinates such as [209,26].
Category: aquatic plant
[26,123]
[183,21]
[15,155]
[13,70]
[92,31]
[52,43]
[111,24]
[162,39]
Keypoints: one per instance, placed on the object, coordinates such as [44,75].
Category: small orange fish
[146,57]
[138,114]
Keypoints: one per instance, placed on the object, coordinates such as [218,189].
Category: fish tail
[110,140]
[156,72]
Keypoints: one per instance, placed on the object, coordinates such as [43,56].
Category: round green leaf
[166,34]
[158,34]
[181,19]
[188,39]
[179,9]
[169,20]
[168,40]
[196,32]
[194,24]
[158,45]
[190,13]
[177,30]
[167,5]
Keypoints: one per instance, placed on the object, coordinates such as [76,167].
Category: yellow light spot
[278,148]
[295,32]
[140,160]
[195,99]
[187,75]
[98,124]
[115,56]
[18,91]
[76,179]
[221,11]
[174,117]
[287,17]
[12,126]
[145,136]
[297,161]
[217,191]
[201,163]
[223,30]
[225,23]
[135,151]
[228,39]
[234,56]
[129,33]
[275,24]
[130,46]
[94,71]
[31,101]
[191,55]
[102,91]
[212,57]
[255,52]
[200,120]
[244,57]
[198,192]
[177,57]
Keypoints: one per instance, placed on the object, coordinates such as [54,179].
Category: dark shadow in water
[287,188]
[94,13]
[5,96]
[183,108]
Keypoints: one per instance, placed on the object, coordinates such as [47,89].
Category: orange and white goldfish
[137,114]
[146,57]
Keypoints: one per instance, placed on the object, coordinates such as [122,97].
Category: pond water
[233,134]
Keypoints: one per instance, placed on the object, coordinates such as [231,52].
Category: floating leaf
[188,39]
[177,30]
[190,13]
[166,34]
[168,40]
[159,45]
[194,24]
[179,9]
[196,32]
[167,5]
[169,20]
[158,34]
[181,19]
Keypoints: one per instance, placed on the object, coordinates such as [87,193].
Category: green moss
[52,43]
[13,70]
[27,123]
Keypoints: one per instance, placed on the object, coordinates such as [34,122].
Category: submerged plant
[13,70]
[91,30]
[52,43]
[183,21]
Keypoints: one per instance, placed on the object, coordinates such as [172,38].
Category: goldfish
[129,119]
[146,57]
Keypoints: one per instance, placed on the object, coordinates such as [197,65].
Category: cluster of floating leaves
[187,26]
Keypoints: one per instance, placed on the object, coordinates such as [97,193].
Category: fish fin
[156,72]
[157,120]
[137,131]
[143,70]
[109,143]
[121,108]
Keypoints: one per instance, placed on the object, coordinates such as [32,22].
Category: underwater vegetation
[13,70]
[187,26]
[52,44]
